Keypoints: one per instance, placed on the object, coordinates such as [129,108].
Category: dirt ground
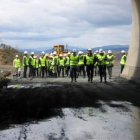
[48,98]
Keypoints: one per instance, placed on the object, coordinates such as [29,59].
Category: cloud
[33,23]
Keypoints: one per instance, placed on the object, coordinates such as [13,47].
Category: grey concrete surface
[132,68]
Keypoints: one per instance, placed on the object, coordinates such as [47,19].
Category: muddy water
[111,121]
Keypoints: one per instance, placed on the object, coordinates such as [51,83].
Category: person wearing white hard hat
[47,65]
[50,66]
[31,66]
[17,65]
[37,67]
[73,65]
[89,62]
[123,60]
[25,63]
[81,65]
[96,70]
[42,63]
[61,65]
[55,65]
[110,63]
[101,59]
[67,64]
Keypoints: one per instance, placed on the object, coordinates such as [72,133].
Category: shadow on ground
[22,105]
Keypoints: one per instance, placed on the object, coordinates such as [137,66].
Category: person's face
[89,52]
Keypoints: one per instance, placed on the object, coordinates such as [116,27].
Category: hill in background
[7,54]
[70,48]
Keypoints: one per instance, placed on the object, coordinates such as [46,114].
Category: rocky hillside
[7,54]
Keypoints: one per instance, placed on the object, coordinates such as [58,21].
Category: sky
[80,23]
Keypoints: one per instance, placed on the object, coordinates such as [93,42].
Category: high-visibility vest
[37,65]
[43,60]
[47,62]
[53,61]
[16,63]
[122,62]
[73,60]
[26,61]
[68,60]
[33,61]
[90,59]
[61,62]
[100,57]
[110,62]
[81,60]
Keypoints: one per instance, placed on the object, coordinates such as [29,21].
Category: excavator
[60,49]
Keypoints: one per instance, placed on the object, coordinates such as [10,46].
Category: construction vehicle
[60,49]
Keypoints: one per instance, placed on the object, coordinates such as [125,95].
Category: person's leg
[83,69]
[88,73]
[62,71]
[71,73]
[25,72]
[92,71]
[104,73]
[100,73]
[75,74]
[122,67]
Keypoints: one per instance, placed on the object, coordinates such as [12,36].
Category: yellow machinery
[60,49]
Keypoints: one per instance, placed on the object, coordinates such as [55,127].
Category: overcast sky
[83,23]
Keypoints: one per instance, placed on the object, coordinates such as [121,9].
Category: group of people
[72,64]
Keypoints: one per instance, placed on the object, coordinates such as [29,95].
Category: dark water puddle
[37,85]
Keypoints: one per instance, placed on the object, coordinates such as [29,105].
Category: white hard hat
[74,50]
[25,52]
[46,54]
[109,51]
[60,55]
[69,53]
[51,56]
[101,51]
[43,52]
[54,53]
[89,49]
[97,51]
[16,55]
[80,52]
[32,53]
[35,56]
[65,54]
[122,51]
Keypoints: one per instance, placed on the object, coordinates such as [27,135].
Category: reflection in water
[110,121]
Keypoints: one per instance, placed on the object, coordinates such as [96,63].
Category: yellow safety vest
[17,63]
[90,59]
[81,60]
[100,57]
[73,60]
[68,60]
[110,63]
[61,62]
[26,61]
[43,60]
[122,62]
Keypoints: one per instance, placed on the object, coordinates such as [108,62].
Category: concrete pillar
[132,68]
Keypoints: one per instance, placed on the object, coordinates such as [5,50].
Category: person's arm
[85,60]
[29,61]
[24,61]
[124,58]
